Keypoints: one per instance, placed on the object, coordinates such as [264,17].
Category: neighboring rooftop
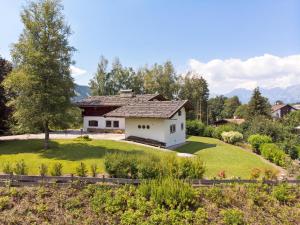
[151,109]
[118,100]
[296,106]
[279,106]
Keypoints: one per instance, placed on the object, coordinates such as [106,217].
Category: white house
[160,123]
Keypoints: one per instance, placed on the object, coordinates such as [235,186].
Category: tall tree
[230,106]
[41,77]
[241,111]
[195,89]
[258,105]
[100,84]
[5,69]
[216,107]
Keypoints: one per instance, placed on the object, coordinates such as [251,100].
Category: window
[108,123]
[139,126]
[116,123]
[172,128]
[148,127]
[182,126]
[179,113]
[93,123]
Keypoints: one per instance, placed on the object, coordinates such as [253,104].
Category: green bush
[232,137]
[7,168]
[217,133]
[208,131]
[81,170]
[191,168]
[4,202]
[257,140]
[121,165]
[273,153]
[168,192]
[56,169]
[195,127]
[83,138]
[20,168]
[149,167]
[233,217]
[43,169]
[282,193]
[94,169]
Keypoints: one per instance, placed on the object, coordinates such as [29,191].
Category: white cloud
[265,71]
[75,71]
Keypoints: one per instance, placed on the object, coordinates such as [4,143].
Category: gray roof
[116,100]
[151,109]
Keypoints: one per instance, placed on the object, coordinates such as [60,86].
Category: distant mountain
[81,92]
[290,94]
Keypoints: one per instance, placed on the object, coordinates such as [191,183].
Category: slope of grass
[68,152]
[219,156]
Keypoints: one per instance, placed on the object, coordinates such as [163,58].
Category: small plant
[94,169]
[4,202]
[282,193]
[233,217]
[7,168]
[81,170]
[222,174]
[56,169]
[270,174]
[43,169]
[255,173]
[20,168]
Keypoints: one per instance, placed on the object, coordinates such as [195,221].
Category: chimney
[129,93]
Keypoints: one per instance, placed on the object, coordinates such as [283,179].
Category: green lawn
[219,156]
[216,155]
[68,152]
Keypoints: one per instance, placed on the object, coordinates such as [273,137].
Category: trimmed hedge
[232,137]
[273,153]
[257,140]
[195,127]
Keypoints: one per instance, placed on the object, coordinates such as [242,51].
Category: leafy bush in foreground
[232,137]
[20,168]
[56,169]
[233,217]
[195,127]
[257,140]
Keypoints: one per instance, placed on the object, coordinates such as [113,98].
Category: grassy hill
[216,155]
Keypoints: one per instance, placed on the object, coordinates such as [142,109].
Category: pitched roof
[116,100]
[151,109]
[280,106]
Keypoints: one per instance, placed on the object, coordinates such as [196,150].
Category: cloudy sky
[231,43]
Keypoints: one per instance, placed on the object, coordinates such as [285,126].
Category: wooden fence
[23,180]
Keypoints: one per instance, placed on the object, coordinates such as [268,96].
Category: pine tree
[258,105]
[41,79]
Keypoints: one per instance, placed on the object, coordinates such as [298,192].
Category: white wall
[101,122]
[159,129]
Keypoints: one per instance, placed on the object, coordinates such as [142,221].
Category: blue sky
[208,36]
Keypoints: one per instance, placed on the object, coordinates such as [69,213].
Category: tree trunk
[46,141]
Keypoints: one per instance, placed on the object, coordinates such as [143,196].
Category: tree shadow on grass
[70,150]
[194,146]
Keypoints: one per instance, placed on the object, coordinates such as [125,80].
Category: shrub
[273,153]
[7,168]
[83,138]
[232,137]
[43,169]
[20,168]
[282,194]
[94,169]
[270,174]
[121,165]
[148,167]
[257,140]
[217,133]
[191,168]
[4,202]
[169,192]
[208,131]
[201,216]
[222,174]
[81,170]
[195,127]
[233,216]
[56,169]
[255,173]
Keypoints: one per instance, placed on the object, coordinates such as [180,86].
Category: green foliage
[216,108]
[43,169]
[217,133]
[149,167]
[42,59]
[56,169]
[4,202]
[94,169]
[255,173]
[230,106]
[195,127]
[273,153]
[191,168]
[256,140]
[270,174]
[20,168]
[208,131]
[258,105]
[7,168]
[283,194]
[81,170]
[232,137]
[233,217]
[241,111]
[168,192]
